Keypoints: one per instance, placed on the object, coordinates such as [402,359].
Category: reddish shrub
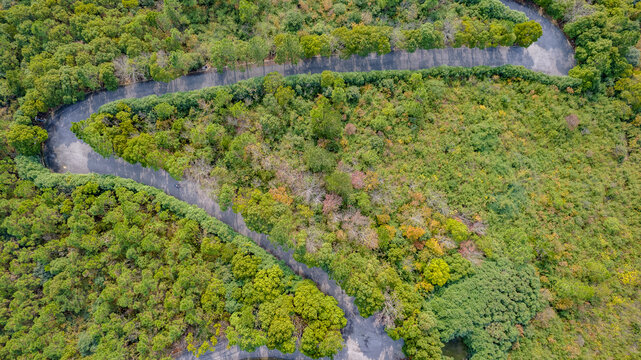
[358,229]
[572,121]
[358,180]
[350,129]
[471,252]
[331,203]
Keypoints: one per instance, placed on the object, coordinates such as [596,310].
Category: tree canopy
[404,186]
[110,272]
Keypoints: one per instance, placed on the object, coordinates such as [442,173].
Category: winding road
[364,339]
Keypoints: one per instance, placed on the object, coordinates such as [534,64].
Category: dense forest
[53,52]
[107,268]
[494,205]
[427,183]
[605,35]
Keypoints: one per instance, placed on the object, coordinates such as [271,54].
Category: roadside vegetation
[53,52]
[107,268]
[412,191]
[605,35]
[499,206]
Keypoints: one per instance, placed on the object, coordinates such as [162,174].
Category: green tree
[317,341]
[242,330]
[287,48]
[293,20]
[527,33]
[26,139]
[223,53]
[502,296]
[630,90]
[258,49]
[340,183]
[321,338]
[314,45]
[164,111]
[420,336]
[429,37]
[266,286]
[272,82]
[247,12]
[275,316]
[437,272]
[325,120]
[244,266]
[363,39]
[494,9]
[242,52]
[590,77]
[319,159]
[225,196]
[284,95]
[457,230]
[130,3]
[501,35]
[273,126]
[107,77]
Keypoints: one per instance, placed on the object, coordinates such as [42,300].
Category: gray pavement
[551,54]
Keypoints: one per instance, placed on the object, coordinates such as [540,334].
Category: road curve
[551,54]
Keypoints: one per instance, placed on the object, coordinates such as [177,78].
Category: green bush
[164,111]
[363,39]
[325,121]
[319,159]
[573,289]
[475,308]
[339,183]
[253,89]
[527,33]
[457,230]
[27,140]
[225,196]
[596,272]
[31,169]
[494,9]
[165,261]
